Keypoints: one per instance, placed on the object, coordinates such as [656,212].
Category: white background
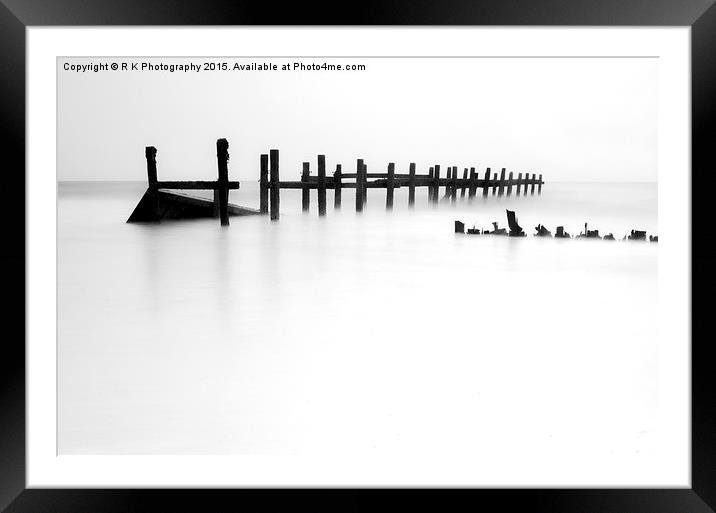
[671,46]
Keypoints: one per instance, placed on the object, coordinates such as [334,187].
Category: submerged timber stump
[486,187]
[509,185]
[472,188]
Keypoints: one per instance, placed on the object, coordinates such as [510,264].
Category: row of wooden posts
[270,184]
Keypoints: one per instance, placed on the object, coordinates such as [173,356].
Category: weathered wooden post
[365,184]
[464,183]
[501,189]
[486,187]
[453,189]
[222,159]
[275,185]
[430,184]
[472,189]
[411,185]
[150,152]
[305,189]
[390,186]
[539,187]
[449,183]
[264,185]
[532,190]
[436,187]
[337,187]
[321,185]
[359,186]
[519,183]
[509,185]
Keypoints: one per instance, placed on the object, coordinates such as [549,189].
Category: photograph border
[16,15]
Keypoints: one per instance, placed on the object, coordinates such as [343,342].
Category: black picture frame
[16,15]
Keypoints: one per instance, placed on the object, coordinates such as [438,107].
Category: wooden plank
[509,185]
[486,186]
[359,189]
[539,185]
[222,160]
[263,184]
[321,185]
[532,190]
[390,186]
[337,187]
[501,188]
[464,183]
[411,185]
[195,185]
[305,190]
[275,188]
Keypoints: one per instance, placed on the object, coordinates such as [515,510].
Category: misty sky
[572,119]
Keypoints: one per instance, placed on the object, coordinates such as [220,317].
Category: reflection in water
[367,333]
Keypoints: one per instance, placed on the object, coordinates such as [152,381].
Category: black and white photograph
[360,257]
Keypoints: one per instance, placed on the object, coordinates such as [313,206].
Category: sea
[381,332]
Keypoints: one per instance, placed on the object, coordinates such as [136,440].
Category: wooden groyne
[362,180]
[541,231]
[159,202]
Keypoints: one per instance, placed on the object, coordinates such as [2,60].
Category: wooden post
[365,184]
[359,186]
[305,190]
[337,186]
[539,186]
[464,183]
[222,158]
[509,185]
[263,185]
[486,187]
[519,183]
[436,187]
[453,189]
[150,152]
[321,185]
[275,185]
[472,189]
[501,190]
[411,185]
[430,186]
[532,190]
[390,186]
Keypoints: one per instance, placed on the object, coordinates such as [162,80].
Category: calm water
[372,333]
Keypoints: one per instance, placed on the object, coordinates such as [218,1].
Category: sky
[571,119]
